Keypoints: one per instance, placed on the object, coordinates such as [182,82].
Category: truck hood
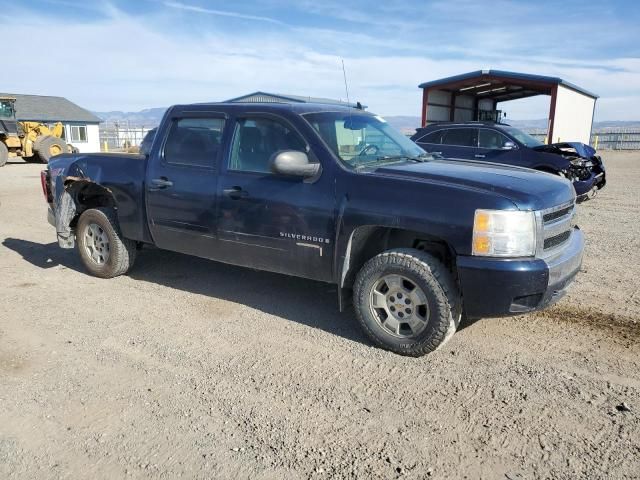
[527,189]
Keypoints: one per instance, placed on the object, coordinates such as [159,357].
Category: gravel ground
[191,368]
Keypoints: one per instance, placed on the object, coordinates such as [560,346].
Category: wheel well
[88,195]
[367,242]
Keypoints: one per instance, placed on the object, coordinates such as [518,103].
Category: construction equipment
[33,141]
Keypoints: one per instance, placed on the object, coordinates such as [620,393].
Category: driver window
[367,141]
[491,139]
[255,140]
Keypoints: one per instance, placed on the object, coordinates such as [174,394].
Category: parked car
[332,194]
[501,143]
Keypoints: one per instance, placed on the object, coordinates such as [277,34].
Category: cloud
[220,13]
[122,61]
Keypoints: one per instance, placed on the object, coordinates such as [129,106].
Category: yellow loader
[33,141]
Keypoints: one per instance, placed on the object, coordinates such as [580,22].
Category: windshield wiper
[401,157]
[389,158]
[431,156]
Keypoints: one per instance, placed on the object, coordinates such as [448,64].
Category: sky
[132,55]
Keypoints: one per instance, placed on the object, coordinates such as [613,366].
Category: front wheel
[407,301]
[4,154]
[102,248]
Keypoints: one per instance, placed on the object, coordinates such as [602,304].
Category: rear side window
[491,139]
[461,137]
[194,142]
[433,137]
[255,140]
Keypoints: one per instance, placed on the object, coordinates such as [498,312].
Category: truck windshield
[524,138]
[6,109]
[360,139]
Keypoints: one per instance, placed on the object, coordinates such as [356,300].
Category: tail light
[44,181]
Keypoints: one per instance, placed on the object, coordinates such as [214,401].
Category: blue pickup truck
[332,194]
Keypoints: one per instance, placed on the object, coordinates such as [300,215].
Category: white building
[80,125]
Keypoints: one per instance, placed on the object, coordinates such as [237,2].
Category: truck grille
[557,240]
[557,225]
[551,216]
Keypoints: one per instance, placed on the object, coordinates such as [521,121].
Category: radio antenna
[346,85]
[346,88]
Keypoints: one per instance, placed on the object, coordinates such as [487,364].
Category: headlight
[504,233]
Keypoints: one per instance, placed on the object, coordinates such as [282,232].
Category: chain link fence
[121,136]
[613,138]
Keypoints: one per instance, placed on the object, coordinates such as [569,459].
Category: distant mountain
[616,124]
[407,124]
[541,124]
[149,117]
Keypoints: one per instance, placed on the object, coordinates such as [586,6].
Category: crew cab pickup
[331,194]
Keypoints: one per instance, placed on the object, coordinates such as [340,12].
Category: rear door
[460,142]
[181,185]
[273,222]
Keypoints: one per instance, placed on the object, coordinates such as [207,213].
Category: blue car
[501,143]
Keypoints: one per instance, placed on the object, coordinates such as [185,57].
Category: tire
[418,288]
[49,146]
[4,154]
[72,149]
[103,250]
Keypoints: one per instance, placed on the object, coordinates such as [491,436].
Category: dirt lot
[195,369]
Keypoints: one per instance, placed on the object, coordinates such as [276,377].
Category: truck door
[181,185]
[273,222]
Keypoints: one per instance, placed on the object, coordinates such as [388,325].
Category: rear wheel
[49,146]
[4,154]
[407,301]
[102,248]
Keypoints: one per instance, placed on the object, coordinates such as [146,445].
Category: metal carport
[476,95]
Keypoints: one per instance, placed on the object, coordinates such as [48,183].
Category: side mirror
[293,163]
[509,146]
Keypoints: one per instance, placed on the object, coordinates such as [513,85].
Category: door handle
[162,182]
[479,156]
[235,193]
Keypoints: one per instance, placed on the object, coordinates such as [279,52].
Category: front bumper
[498,287]
[596,180]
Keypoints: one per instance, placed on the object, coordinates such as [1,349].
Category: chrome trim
[554,227]
[569,262]
[558,226]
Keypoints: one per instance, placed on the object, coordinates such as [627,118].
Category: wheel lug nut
[408,310]
[399,295]
[392,299]
[407,301]
[400,314]
[393,309]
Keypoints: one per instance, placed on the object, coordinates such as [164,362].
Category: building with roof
[476,95]
[265,97]
[80,125]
